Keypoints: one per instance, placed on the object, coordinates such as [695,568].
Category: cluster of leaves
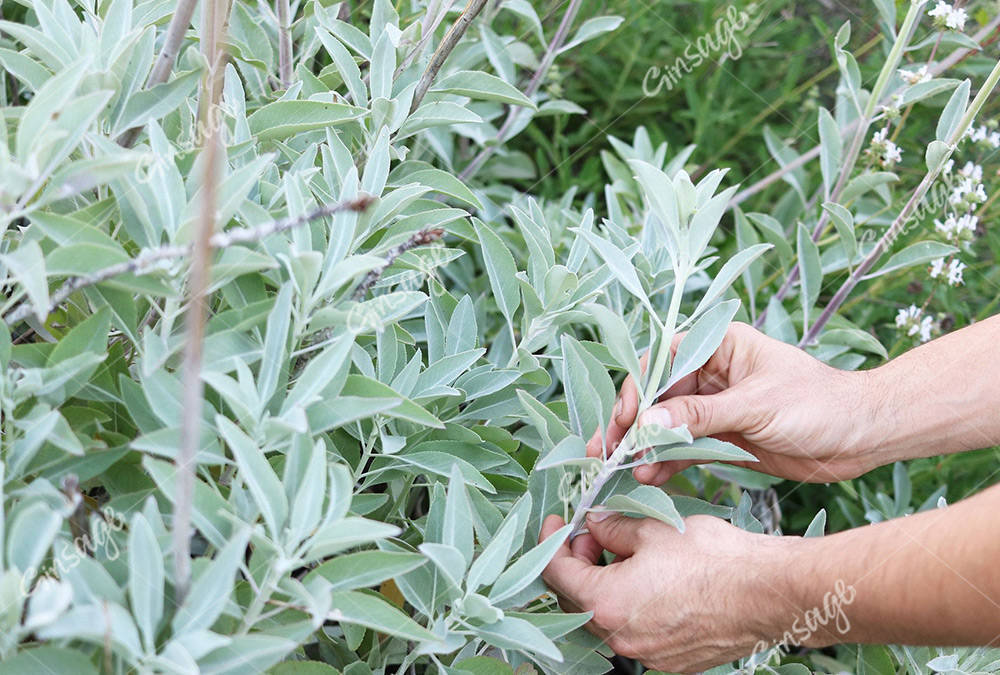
[395,394]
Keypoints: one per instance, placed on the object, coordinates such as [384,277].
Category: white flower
[912,320]
[994,139]
[948,166]
[971,170]
[925,328]
[946,16]
[915,76]
[886,152]
[941,11]
[955,272]
[937,267]
[956,19]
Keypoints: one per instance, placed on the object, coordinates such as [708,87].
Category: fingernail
[598,514]
[656,416]
[618,407]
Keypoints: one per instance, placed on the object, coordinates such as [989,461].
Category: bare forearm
[939,398]
[927,579]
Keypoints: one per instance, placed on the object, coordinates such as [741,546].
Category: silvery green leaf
[570,451]
[865,182]
[346,66]
[255,652]
[491,561]
[783,154]
[374,612]
[307,507]
[449,561]
[616,337]
[817,525]
[743,517]
[30,535]
[102,624]
[936,155]
[283,119]
[324,374]
[952,114]
[705,449]
[705,220]
[648,502]
[27,265]
[501,268]
[47,602]
[843,222]
[45,660]
[512,633]
[811,272]
[365,568]
[854,338]
[479,85]
[145,579]
[257,474]
[914,254]
[590,29]
[475,606]
[774,232]
[211,588]
[383,63]
[618,263]
[652,435]
[731,269]
[928,89]
[831,149]
[701,341]
[526,569]
[274,358]
[585,410]
[457,525]
[347,533]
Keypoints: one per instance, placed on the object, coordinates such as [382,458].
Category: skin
[687,602]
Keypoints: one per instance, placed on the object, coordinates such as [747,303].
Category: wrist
[795,604]
[875,437]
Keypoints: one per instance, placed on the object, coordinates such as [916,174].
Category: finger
[586,548]
[725,412]
[614,532]
[567,575]
[660,472]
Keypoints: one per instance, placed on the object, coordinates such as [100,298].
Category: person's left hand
[676,602]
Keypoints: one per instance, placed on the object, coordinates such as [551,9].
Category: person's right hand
[802,419]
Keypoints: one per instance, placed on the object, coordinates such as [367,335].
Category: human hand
[676,602]
[802,419]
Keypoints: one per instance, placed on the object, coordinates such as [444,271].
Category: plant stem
[191,394]
[284,44]
[448,44]
[149,258]
[536,80]
[897,225]
[857,140]
[627,444]
[179,23]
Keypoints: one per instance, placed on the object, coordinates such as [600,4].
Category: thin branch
[421,238]
[448,44]
[150,258]
[284,44]
[429,28]
[536,80]
[198,281]
[179,23]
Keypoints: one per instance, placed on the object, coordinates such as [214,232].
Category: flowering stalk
[883,244]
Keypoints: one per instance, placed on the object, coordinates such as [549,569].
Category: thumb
[614,532]
[704,415]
